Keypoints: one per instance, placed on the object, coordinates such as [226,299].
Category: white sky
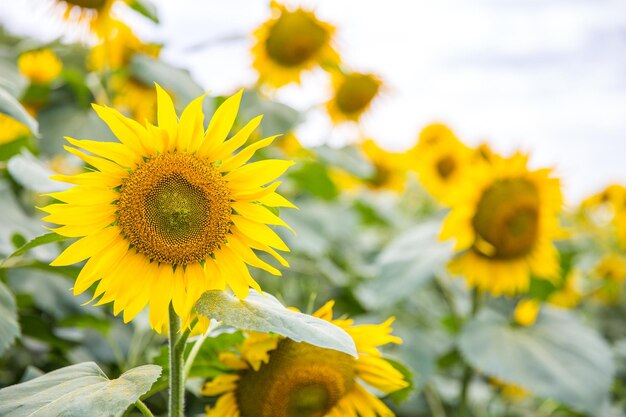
[546,76]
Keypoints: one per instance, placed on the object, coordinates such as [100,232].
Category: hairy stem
[177,383]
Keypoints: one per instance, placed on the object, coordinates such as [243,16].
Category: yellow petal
[220,125]
[245,155]
[115,152]
[234,143]
[87,246]
[191,126]
[166,114]
[258,173]
[259,232]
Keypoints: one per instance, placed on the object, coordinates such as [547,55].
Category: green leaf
[348,158]
[11,107]
[77,390]
[69,120]
[32,174]
[149,70]
[405,265]
[9,328]
[145,8]
[38,241]
[278,118]
[558,357]
[264,313]
[313,177]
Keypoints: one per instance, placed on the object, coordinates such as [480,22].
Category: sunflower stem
[468,371]
[143,408]
[177,383]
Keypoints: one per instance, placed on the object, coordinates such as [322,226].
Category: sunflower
[441,164]
[96,13]
[568,295]
[131,96]
[504,222]
[289,43]
[277,377]
[526,312]
[353,94]
[11,129]
[170,212]
[118,47]
[389,170]
[611,272]
[40,67]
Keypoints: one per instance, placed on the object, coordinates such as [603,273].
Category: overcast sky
[546,76]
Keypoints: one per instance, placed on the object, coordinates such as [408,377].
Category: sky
[544,76]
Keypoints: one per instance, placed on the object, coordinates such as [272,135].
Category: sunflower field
[167,251]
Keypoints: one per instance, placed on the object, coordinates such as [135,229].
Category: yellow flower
[432,135]
[275,376]
[292,147]
[568,296]
[504,221]
[170,212]
[134,98]
[526,312]
[11,129]
[442,164]
[40,67]
[117,48]
[611,270]
[352,96]
[389,170]
[509,391]
[96,13]
[289,43]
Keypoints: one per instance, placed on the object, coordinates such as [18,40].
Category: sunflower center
[88,4]
[507,219]
[446,166]
[300,380]
[175,208]
[295,38]
[356,93]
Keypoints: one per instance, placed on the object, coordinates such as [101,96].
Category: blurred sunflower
[568,295]
[441,166]
[432,135]
[118,47]
[389,170]
[504,222]
[279,377]
[11,129]
[40,67]
[133,97]
[611,271]
[96,13]
[170,212]
[353,94]
[289,43]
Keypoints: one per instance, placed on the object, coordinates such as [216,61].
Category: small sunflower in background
[442,163]
[170,211]
[353,94]
[389,170]
[11,129]
[291,42]
[40,67]
[274,376]
[526,312]
[432,135]
[131,96]
[95,13]
[117,48]
[504,222]
[611,273]
[569,294]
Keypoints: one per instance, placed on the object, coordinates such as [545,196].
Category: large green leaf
[178,81]
[146,8]
[9,328]
[11,107]
[407,263]
[77,390]
[557,357]
[264,313]
[32,174]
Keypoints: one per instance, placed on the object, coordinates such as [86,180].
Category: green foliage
[558,357]
[9,327]
[77,390]
[264,313]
